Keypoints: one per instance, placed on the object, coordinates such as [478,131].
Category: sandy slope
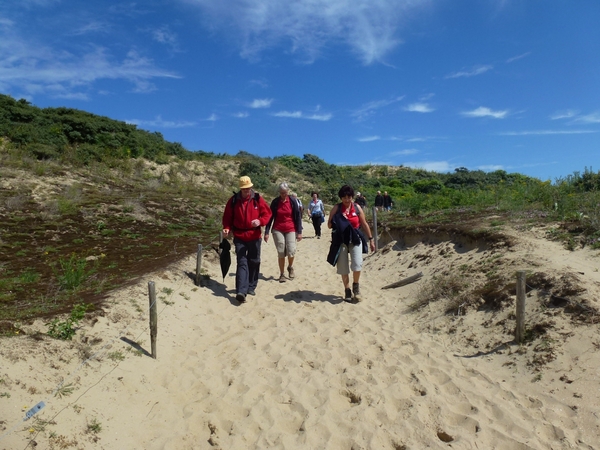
[298,368]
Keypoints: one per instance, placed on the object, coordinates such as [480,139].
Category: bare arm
[365,226]
[331,213]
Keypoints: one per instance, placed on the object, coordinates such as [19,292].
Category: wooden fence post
[198,264]
[153,317]
[375,235]
[521,294]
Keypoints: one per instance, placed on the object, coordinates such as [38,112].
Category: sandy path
[297,368]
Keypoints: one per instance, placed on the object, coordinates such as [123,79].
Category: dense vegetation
[135,202]
[80,137]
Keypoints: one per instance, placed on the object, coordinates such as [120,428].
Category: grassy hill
[88,203]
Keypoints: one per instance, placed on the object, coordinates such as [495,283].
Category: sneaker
[291,272]
[251,292]
[356,292]
[282,278]
[240,298]
[348,296]
[319,237]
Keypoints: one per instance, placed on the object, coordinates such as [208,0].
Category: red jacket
[237,217]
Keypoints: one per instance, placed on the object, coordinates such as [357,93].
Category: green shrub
[65,330]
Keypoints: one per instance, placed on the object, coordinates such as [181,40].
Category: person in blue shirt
[316,212]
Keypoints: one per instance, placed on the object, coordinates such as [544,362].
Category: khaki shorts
[285,243]
[343,264]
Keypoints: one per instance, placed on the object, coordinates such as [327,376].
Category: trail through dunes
[296,367]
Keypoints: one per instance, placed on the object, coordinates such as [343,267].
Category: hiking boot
[282,278]
[241,298]
[291,272]
[356,292]
[348,296]
[251,292]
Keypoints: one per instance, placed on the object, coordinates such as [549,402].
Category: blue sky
[437,84]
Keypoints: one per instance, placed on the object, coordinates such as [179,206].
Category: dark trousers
[248,265]
[316,221]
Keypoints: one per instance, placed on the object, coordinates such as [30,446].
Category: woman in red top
[286,222]
[348,220]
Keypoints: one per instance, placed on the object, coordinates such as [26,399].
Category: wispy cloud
[491,167]
[165,36]
[159,122]
[575,117]
[419,107]
[433,166]
[477,70]
[568,114]
[260,103]
[589,118]
[369,138]
[369,28]
[260,83]
[91,27]
[241,115]
[405,152]
[33,67]
[482,111]
[301,115]
[515,58]
[212,118]
[544,132]
[368,109]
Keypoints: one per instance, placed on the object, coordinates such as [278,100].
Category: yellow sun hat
[245,182]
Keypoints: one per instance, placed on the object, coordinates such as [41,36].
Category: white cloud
[568,114]
[158,122]
[241,115]
[166,36]
[369,27]
[589,118]
[35,67]
[419,107]
[260,83]
[482,111]
[91,27]
[369,139]
[544,132]
[477,70]
[433,166]
[261,103]
[368,109]
[212,118]
[491,167]
[515,58]
[405,152]
[301,115]
[293,115]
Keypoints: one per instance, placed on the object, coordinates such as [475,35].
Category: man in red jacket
[245,213]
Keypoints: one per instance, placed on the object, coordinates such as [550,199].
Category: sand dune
[298,368]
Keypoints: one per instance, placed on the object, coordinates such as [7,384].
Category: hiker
[316,212]
[286,220]
[379,201]
[295,197]
[349,239]
[361,200]
[245,213]
[387,202]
